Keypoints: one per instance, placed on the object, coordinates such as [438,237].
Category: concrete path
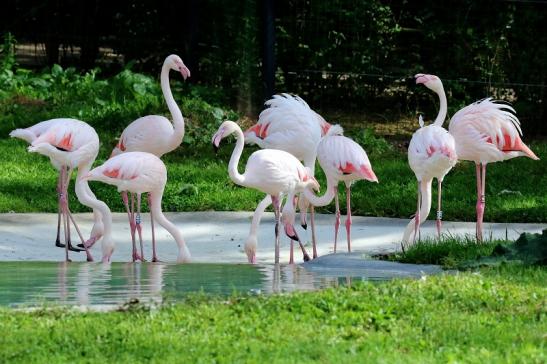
[219,236]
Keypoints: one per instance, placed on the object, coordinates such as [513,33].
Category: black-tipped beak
[215,148]
[304,226]
[294,237]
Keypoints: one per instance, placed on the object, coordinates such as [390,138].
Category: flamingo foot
[156,260]
[136,257]
[59,244]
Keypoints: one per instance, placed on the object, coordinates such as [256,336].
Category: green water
[36,283]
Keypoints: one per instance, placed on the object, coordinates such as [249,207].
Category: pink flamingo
[431,154]
[487,131]
[342,160]
[274,172]
[70,144]
[141,172]
[289,124]
[153,134]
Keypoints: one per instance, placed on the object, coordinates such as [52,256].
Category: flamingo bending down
[153,134]
[274,172]
[140,172]
[342,160]
[487,131]
[70,144]
[431,154]
[289,124]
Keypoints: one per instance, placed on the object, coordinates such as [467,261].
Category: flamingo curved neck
[176,114]
[315,200]
[235,176]
[155,197]
[425,207]
[89,199]
[442,108]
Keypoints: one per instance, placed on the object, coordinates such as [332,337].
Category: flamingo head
[432,82]
[250,248]
[175,63]
[226,128]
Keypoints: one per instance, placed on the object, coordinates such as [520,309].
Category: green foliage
[497,315]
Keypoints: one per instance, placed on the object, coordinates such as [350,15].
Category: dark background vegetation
[345,55]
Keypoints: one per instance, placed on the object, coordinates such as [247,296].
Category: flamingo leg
[291,256]
[69,218]
[337,217]
[417,216]
[348,217]
[439,209]
[481,201]
[313,238]
[138,225]
[59,190]
[63,203]
[276,206]
[154,256]
[131,222]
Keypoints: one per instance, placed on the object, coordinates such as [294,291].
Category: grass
[489,316]
[198,179]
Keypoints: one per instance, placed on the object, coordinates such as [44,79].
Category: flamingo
[341,159]
[153,134]
[271,171]
[431,154]
[70,144]
[141,172]
[487,131]
[289,124]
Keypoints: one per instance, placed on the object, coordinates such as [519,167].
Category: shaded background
[342,56]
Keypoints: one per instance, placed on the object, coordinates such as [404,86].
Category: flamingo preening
[431,154]
[289,124]
[487,131]
[274,172]
[341,159]
[153,134]
[140,172]
[70,144]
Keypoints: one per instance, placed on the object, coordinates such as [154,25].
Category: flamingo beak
[217,138]
[420,78]
[184,71]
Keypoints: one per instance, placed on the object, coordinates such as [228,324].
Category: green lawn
[198,180]
[491,316]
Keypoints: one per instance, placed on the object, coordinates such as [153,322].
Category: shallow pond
[95,284]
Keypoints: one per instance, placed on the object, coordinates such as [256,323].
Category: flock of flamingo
[288,131]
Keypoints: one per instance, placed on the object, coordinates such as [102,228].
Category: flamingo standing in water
[342,159]
[70,144]
[153,134]
[431,154]
[288,124]
[140,172]
[487,131]
[274,172]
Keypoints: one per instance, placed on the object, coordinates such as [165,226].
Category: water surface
[95,284]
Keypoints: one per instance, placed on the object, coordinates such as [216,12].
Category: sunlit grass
[198,180]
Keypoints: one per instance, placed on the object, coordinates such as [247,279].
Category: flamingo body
[488,131]
[141,172]
[71,143]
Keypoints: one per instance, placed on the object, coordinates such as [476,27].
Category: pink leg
[291,256]
[63,203]
[439,209]
[138,225]
[417,216]
[276,206]
[59,191]
[154,256]
[313,239]
[348,217]
[131,222]
[337,216]
[481,201]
